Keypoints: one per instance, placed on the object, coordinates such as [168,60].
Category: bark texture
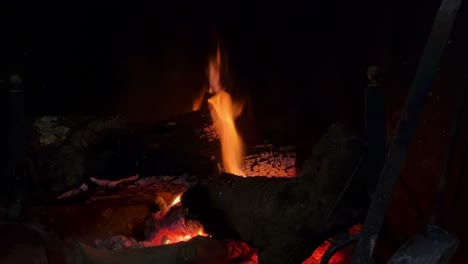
[286,219]
[199,250]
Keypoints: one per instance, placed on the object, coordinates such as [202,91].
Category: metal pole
[425,74]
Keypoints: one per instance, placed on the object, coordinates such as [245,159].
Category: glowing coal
[270,162]
[171,228]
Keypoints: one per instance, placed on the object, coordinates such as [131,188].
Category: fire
[174,238]
[176,200]
[232,147]
[223,112]
[214,74]
[172,227]
[198,101]
[178,239]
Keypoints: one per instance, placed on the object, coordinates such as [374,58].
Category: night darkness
[302,63]
[300,60]
[78,56]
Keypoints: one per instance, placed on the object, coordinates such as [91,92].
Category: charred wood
[70,150]
[199,250]
[286,219]
[270,161]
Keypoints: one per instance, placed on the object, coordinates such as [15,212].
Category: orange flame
[223,112]
[175,237]
[214,74]
[176,200]
[198,101]
[232,147]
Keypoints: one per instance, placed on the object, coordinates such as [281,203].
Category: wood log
[110,148]
[268,160]
[199,250]
[286,219]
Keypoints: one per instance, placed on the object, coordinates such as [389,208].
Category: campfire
[232,133]
[169,225]
[224,201]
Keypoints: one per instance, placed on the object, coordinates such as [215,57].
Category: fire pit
[249,219]
[190,190]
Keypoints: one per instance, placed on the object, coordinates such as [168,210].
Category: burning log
[266,160]
[172,239]
[199,250]
[171,227]
[286,219]
[72,151]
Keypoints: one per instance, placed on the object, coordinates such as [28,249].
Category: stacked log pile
[283,217]
[71,150]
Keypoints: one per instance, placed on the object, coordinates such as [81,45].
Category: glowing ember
[176,200]
[172,227]
[316,257]
[175,236]
[169,226]
[342,256]
[269,161]
[180,238]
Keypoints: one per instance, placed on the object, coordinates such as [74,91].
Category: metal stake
[426,71]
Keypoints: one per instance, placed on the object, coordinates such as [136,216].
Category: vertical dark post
[4,145]
[375,127]
[16,146]
[419,90]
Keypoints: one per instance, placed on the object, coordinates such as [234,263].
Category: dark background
[302,63]
[301,55]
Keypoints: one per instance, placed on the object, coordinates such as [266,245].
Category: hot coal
[286,219]
[200,250]
[266,160]
[160,229]
[171,227]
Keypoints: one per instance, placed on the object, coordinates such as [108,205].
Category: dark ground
[303,64]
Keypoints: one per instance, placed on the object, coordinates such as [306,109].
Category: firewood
[285,219]
[199,250]
[268,160]
[112,149]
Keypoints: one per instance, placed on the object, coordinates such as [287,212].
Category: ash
[115,243]
[267,160]
[160,229]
